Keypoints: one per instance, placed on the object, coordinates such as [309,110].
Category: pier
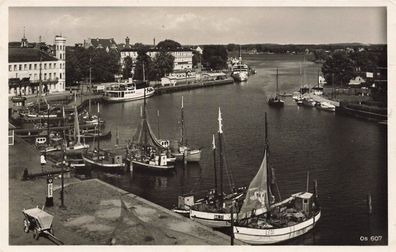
[194,85]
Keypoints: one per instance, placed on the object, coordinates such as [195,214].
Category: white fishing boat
[263,221]
[184,152]
[103,159]
[326,106]
[217,211]
[77,146]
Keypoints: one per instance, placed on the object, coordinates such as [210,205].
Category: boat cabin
[117,159]
[185,201]
[304,202]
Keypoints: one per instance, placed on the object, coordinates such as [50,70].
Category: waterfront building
[183,56]
[26,59]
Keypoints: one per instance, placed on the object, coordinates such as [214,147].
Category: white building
[26,62]
[183,57]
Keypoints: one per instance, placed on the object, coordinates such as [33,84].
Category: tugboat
[276,101]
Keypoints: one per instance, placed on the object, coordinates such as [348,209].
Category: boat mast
[277,82]
[76,126]
[144,117]
[214,163]
[267,161]
[182,121]
[221,154]
[300,82]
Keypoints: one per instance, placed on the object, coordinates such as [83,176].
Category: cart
[39,221]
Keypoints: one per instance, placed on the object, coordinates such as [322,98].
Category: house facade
[26,63]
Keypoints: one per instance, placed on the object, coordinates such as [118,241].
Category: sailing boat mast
[76,127]
[277,82]
[182,122]
[221,154]
[214,163]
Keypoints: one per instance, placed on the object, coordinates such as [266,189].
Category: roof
[110,43]
[24,54]
[134,49]
[306,195]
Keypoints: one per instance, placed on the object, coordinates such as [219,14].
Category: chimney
[154,42]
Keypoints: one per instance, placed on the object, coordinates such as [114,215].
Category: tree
[197,58]
[163,64]
[141,59]
[127,70]
[341,65]
[215,57]
[168,45]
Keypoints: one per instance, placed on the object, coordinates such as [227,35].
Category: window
[30,76]
[20,67]
[15,67]
[25,67]
[10,137]
[50,76]
[30,66]
[35,76]
[45,65]
[16,75]
[49,65]
[35,66]
[57,47]
[9,68]
[60,76]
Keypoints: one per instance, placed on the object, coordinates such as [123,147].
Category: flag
[98,108]
[213,143]
[63,112]
[369,75]
[182,103]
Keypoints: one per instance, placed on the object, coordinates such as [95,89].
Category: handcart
[39,221]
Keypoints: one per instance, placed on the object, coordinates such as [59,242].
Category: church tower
[24,41]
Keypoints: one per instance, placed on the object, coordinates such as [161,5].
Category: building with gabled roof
[99,43]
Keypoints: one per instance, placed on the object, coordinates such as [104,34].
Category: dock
[193,85]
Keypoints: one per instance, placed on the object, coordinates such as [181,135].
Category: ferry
[126,92]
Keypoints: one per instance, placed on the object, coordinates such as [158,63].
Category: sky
[201,25]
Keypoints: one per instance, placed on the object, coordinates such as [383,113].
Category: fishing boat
[262,220]
[77,146]
[276,101]
[184,152]
[217,210]
[146,152]
[240,71]
[103,159]
[309,102]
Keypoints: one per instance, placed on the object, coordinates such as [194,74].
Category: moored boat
[276,101]
[263,221]
[326,106]
[240,71]
[182,151]
[121,92]
[216,211]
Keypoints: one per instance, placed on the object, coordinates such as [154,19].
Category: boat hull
[192,156]
[145,166]
[102,164]
[240,76]
[212,219]
[274,235]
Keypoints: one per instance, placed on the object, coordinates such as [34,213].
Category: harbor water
[347,156]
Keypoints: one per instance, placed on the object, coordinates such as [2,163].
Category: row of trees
[103,65]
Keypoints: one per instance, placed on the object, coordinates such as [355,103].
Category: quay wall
[182,87]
